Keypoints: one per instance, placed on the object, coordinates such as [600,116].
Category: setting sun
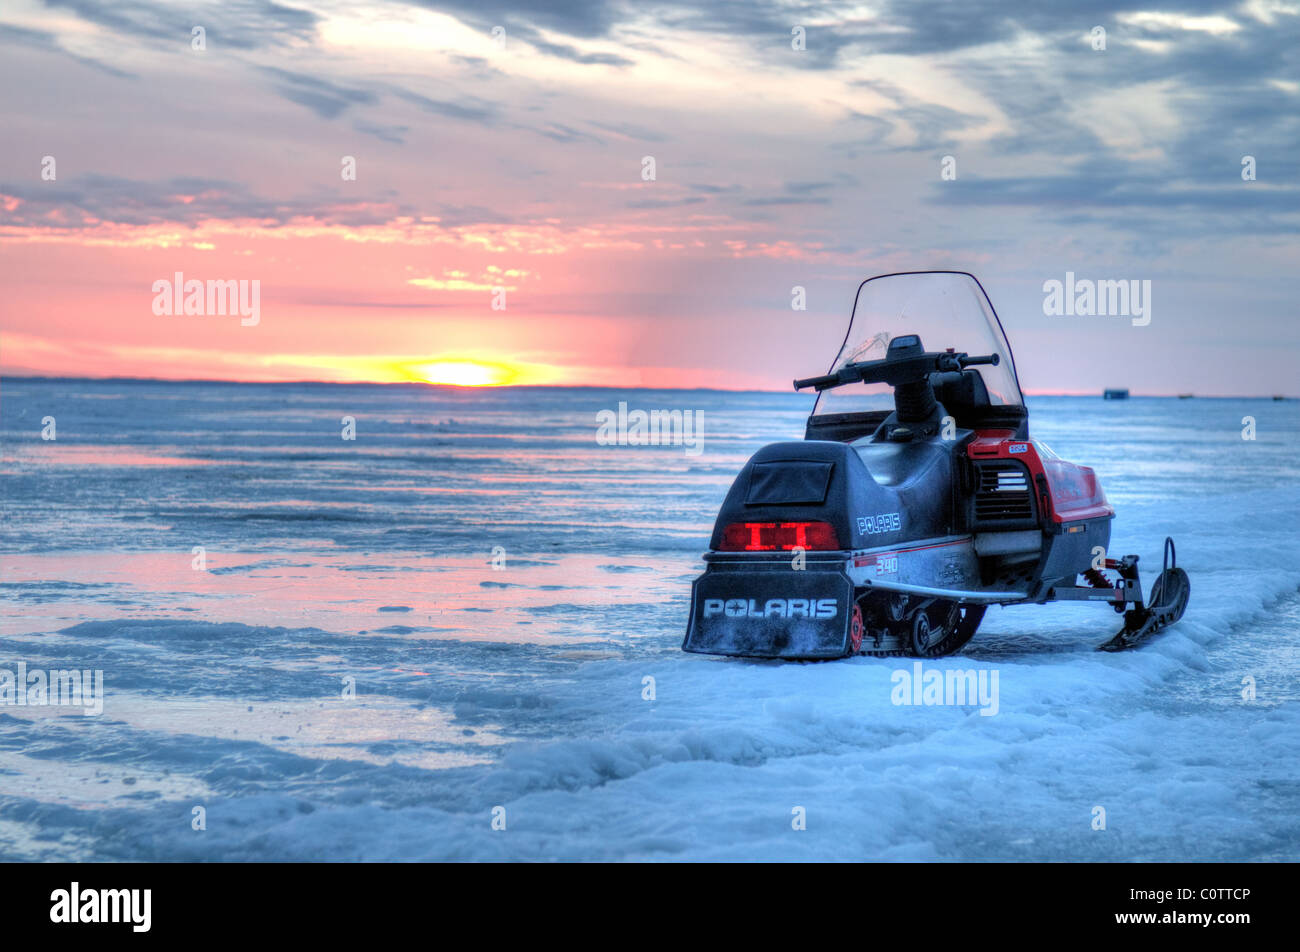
[466,373]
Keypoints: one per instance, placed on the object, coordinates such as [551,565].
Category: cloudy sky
[503,144]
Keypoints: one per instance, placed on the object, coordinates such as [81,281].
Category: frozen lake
[385,639]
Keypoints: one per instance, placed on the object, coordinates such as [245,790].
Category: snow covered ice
[525,685]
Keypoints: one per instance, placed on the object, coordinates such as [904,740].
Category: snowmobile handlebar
[818,383]
[911,364]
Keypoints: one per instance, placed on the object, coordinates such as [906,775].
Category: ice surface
[371,562]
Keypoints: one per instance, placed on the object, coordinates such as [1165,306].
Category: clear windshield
[948,309]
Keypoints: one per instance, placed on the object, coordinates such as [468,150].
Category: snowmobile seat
[962,393]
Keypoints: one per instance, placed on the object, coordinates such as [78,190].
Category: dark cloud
[234,24]
[786,200]
[476,110]
[328,100]
[627,130]
[183,200]
[564,51]
[651,203]
[924,27]
[1111,194]
[48,42]
[479,67]
[1049,89]
[803,188]
[391,134]
[188,201]
[935,125]
[875,131]
[1084,190]
[561,133]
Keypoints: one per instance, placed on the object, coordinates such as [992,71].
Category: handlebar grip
[993,359]
[819,383]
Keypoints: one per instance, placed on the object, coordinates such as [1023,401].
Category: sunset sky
[519,165]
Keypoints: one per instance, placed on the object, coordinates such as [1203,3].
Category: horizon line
[577,386]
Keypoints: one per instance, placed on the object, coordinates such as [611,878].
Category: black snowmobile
[916,500]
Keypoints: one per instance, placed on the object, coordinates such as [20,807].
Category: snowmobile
[916,499]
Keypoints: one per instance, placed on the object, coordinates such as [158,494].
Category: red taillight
[777,536]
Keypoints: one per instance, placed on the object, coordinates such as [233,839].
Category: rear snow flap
[758,612]
[789,483]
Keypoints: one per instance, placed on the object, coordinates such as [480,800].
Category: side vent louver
[1003,494]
